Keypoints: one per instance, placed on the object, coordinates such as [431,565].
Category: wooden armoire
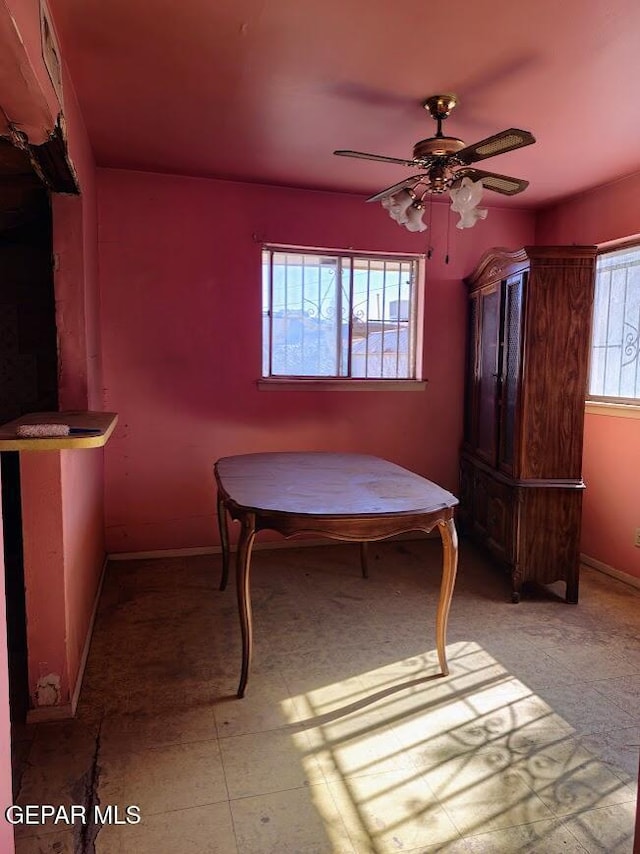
[526,376]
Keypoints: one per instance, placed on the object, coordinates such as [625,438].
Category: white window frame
[614,349]
[271,380]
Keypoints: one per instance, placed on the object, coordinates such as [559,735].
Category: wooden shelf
[104,422]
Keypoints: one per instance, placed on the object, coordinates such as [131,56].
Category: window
[615,362]
[337,315]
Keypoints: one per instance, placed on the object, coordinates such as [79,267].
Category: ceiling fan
[445,163]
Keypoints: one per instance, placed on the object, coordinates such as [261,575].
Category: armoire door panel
[510,370]
[471,391]
[555,387]
[487,402]
[500,519]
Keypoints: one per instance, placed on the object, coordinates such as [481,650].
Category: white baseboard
[202,550]
[42,714]
[609,570]
[258,546]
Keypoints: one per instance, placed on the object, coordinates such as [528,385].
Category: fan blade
[401,185]
[381,157]
[492,181]
[499,143]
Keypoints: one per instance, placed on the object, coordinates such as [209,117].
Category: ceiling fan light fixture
[406,208]
[414,218]
[445,164]
[465,200]
[398,205]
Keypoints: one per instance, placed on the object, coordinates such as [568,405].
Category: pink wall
[611,212]
[26,93]
[611,444]
[82,498]
[181,325]
[611,508]
[76,273]
[63,532]
[43,547]
[80,489]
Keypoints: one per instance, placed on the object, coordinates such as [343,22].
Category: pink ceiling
[265,90]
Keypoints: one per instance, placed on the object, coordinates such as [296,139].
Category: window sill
[317,384]
[617,410]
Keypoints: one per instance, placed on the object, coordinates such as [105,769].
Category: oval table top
[322,483]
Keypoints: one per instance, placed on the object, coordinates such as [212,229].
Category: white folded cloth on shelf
[42,431]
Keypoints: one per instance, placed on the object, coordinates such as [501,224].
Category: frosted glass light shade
[405,210]
[414,218]
[397,206]
[465,200]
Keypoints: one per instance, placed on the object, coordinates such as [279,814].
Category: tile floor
[347,741]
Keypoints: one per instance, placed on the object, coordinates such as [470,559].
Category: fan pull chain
[430,250]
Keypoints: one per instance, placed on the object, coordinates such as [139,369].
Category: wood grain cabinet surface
[526,376]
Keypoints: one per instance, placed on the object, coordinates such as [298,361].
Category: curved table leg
[245,544]
[364,564]
[223,527]
[449,539]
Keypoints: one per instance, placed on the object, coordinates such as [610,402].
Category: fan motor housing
[437,146]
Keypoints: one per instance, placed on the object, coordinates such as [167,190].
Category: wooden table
[350,497]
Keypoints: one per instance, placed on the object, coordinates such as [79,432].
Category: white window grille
[334,315]
[615,361]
